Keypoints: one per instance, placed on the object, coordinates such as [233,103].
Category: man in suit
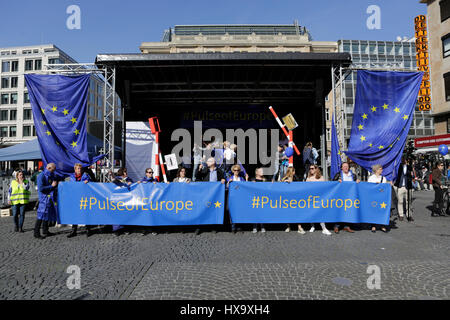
[211,173]
[403,185]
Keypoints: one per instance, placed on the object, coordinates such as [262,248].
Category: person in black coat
[211,173]
[403,185]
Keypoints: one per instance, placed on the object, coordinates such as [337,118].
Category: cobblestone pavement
[413,260]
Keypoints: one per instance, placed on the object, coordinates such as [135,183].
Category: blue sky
[120,26]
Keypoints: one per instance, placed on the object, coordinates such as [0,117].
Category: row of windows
[412,132]
[10,82]
[11,98]
[25,51]
[388,48]
[11,114]
[11,131]
[13,65]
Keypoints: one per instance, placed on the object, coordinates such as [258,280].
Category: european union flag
[335,151]
[59,110]
[384,109]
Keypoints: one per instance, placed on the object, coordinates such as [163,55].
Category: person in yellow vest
[19,196]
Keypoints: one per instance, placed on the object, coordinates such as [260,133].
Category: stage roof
[147,80]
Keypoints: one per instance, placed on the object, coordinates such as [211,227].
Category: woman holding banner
[236,170]
[290,177]
[84,177]
[123,180]
[314,174]
[181,176]
[376,177]
[259,177]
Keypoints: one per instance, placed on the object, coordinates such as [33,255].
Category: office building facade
[438,28]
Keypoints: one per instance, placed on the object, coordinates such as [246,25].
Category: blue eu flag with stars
[59,111]
[384,109]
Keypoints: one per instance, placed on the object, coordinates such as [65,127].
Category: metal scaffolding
[107,75]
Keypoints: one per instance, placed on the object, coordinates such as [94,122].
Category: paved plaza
[413,259]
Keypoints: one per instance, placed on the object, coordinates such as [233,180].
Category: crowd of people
[411,176]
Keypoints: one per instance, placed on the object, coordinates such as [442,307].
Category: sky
[115,26]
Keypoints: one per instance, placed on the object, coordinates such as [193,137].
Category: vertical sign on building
[423,62]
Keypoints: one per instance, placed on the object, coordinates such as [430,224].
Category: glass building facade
[381,55]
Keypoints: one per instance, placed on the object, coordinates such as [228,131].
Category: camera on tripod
[409,150]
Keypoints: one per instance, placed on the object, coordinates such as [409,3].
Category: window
[13,115]
[4,98]
[4,115]
[26,131]
[34,131]
[37,64]
[3,131]
[99,89]
[5,83]
[6,66]
[14,66]
[14,82]
[53,61]
[92,98]
[26,114]
[26,51]
[445,9]
[92,111]
[446,45]
[100,101]
[12,131]
[99,114]
[447,86]
[35,50]
[13,98]
[92,85]
[26,97]
[28,65]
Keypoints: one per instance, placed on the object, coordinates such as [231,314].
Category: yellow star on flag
[360,127]
[383,205]
[73,120]
[373,108]
[217,204]
[43,110]
[43,123]
[48,132]
[397,109]
[74,144]
[405,117]
[54,109]
[370,145]
[364,116]
[66,112]
[385,106]
[76,132]
[380,147]
[363,138]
